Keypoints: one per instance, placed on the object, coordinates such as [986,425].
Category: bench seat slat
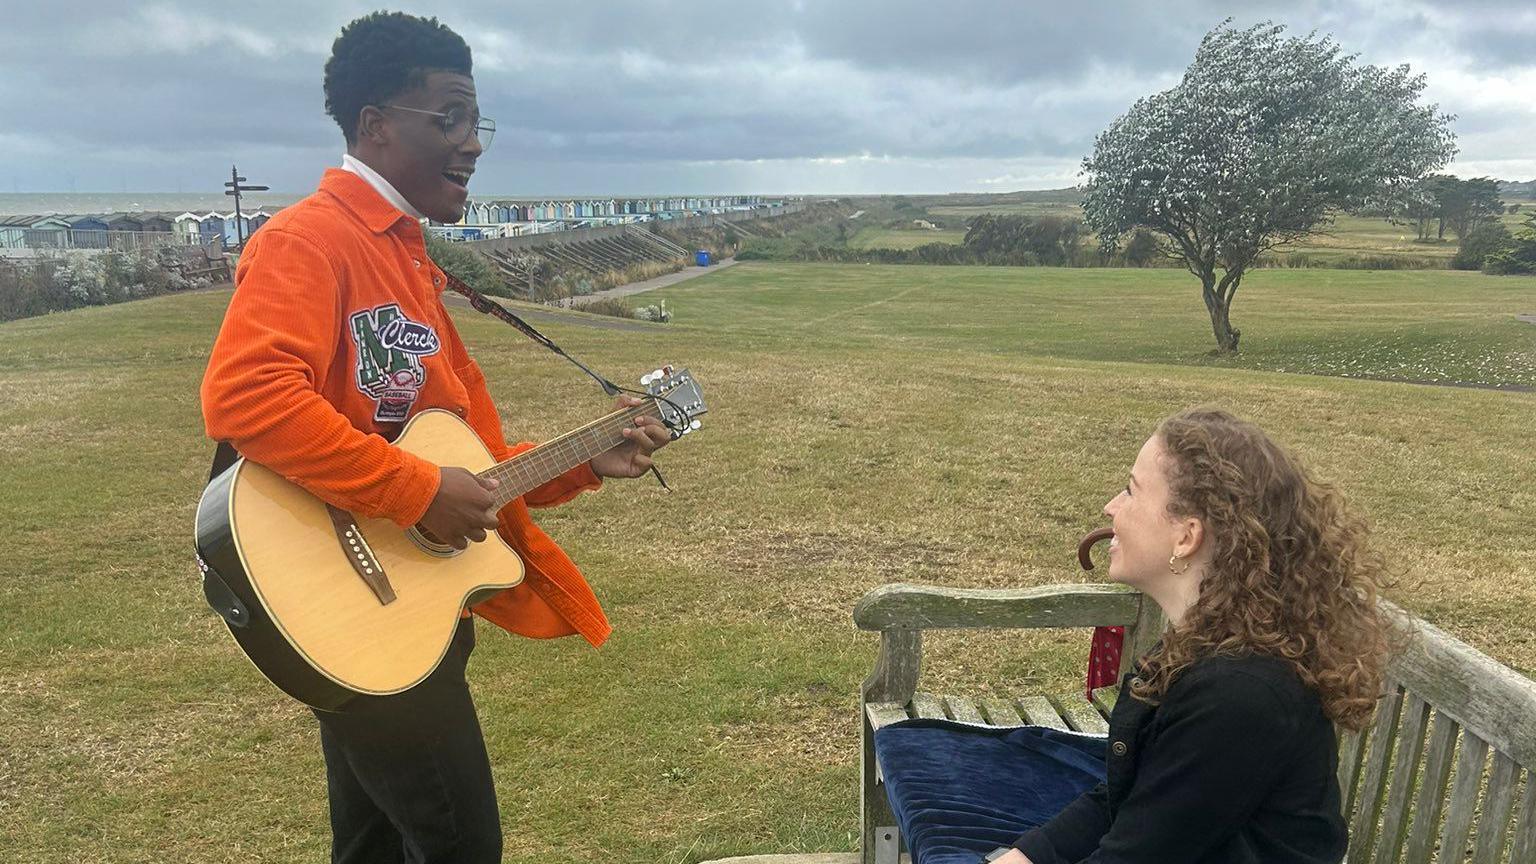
[1080,715]
[929,706]
[1463,806]
[1104,699]
[1430,804]
[1038,711]
[884,713]
[963,709]
[999,712]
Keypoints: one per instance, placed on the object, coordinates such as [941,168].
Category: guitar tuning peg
[694,424]
[645,380]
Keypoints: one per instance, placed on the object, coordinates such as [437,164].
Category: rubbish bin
[702,257]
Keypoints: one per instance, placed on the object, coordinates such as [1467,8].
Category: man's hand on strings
[633,457]
[463,510]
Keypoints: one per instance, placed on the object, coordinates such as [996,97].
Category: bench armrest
[931,607]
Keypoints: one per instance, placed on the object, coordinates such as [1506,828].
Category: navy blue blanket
[960,791]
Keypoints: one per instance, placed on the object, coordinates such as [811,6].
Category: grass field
[871,237]
[868,424]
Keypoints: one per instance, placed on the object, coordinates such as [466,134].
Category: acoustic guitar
[328,605]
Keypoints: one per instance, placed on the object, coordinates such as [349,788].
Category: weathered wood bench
[1417,785]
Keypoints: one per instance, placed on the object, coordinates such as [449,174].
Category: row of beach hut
[495,218]
[519,210]
[110,230]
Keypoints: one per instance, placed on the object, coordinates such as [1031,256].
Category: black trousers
[408,775]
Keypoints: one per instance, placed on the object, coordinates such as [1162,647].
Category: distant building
[124,222]
[189,226]
[158,222]
[86,223]
[13,230]
[210,228]
[86,232]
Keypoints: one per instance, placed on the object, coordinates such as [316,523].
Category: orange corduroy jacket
[335,336]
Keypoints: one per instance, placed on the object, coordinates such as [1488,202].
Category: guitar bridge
[360,556]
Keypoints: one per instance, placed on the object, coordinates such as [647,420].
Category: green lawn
[868,424]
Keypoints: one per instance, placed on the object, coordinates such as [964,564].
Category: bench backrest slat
[1373,787]
[1470,765]
[1351,756]
[1493,828]
[1410,748]
[1430,802]
[1525,837]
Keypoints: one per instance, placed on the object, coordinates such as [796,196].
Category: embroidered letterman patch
[389,351]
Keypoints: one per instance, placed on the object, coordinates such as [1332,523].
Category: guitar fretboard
[533,468]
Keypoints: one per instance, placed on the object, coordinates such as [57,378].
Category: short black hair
[379,56]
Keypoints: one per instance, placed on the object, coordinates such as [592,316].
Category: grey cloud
[588,89]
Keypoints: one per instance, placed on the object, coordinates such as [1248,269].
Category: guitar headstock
[677,397]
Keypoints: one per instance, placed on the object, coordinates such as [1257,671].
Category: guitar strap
[485,304]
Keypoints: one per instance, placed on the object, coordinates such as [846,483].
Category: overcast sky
[646,96]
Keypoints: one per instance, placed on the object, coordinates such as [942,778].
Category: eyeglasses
[458,125]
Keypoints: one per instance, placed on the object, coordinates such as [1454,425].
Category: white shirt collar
[380,185]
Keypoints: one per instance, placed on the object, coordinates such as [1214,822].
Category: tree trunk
[1219,307]
[1226,334]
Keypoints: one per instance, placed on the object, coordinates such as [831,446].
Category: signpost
[235,189]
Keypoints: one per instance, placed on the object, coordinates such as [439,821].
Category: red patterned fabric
[1104,657]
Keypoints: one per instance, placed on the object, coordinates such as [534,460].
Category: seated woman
[1222,745]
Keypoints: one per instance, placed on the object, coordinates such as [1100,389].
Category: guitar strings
[548,457]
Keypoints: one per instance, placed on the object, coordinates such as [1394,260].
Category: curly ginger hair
[1292,574]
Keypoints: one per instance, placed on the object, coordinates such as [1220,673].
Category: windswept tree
[1263,139]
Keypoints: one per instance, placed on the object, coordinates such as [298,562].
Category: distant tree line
[1003,240]
[1441,202]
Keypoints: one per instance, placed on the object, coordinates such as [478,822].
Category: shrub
[613,306]
[1142,249]
[69,280]
[655,312]
[1482,241]
[467,265]
[1519,256]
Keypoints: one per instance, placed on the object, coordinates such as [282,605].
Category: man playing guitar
[335,336]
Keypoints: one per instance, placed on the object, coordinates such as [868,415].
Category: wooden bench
[1418,780]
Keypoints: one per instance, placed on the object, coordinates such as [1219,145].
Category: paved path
[560,316]
[684,274]
[1529,318]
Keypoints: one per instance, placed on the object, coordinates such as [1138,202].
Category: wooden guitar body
[311,622]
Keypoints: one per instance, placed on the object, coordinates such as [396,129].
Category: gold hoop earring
[1175,571]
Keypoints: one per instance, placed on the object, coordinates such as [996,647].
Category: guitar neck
[533,468]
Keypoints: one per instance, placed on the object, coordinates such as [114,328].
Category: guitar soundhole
[429,542]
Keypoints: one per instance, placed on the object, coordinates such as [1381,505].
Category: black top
[1237,765]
